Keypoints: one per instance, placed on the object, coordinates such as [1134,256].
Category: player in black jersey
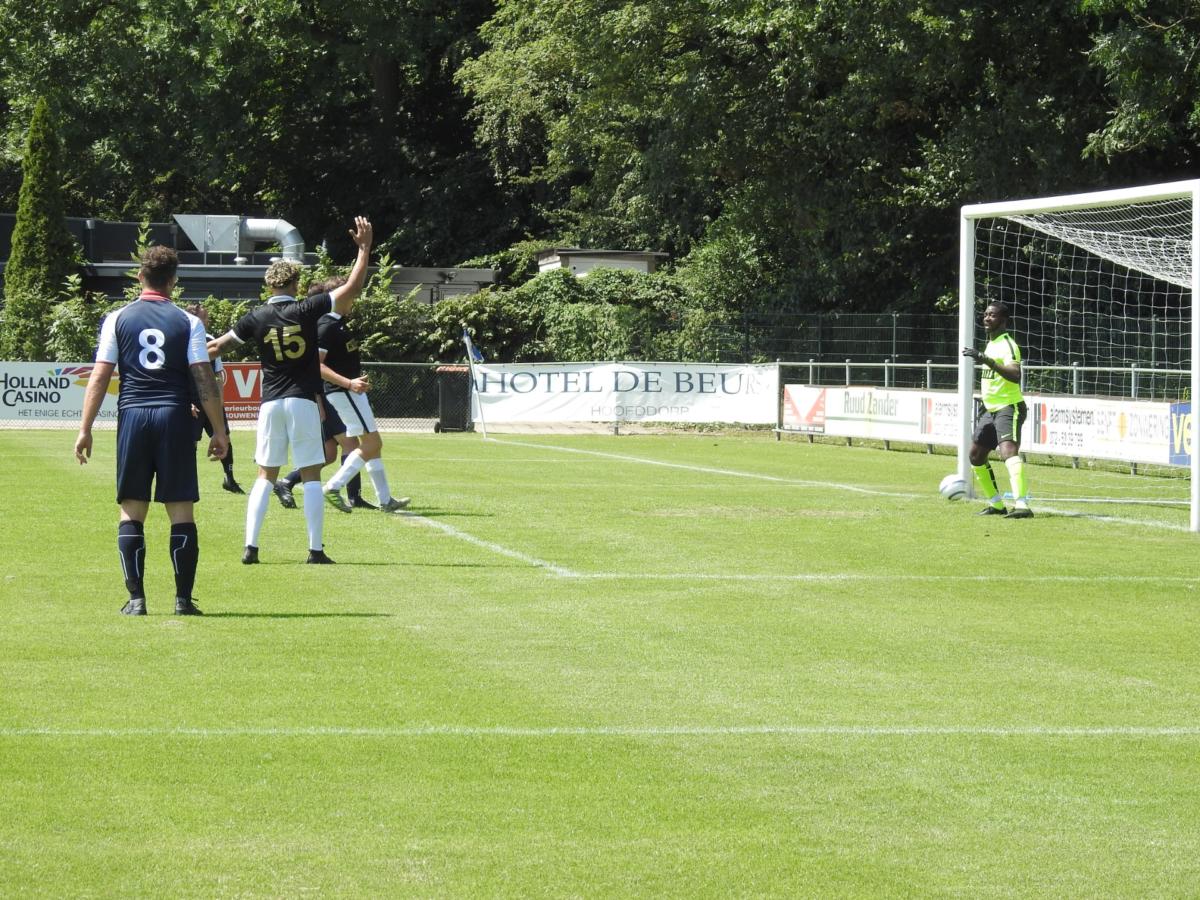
[334,431]
[159,351]
[203,425]
[346,390]
[285,330]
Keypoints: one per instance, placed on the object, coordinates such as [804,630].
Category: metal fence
[420,396]
[1121,382]
[828,336]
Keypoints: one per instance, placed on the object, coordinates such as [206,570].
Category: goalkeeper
[1001,415]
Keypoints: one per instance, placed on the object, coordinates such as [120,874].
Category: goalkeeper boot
[992,511]
[394,505]
[1020,512]
[134,606]
[186,606]
[318,558]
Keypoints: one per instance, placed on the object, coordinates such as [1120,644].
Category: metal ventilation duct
[235,234]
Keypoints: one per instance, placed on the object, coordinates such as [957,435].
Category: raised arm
[345,295]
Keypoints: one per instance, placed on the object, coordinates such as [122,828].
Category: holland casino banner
[1128,430]
[627,392]
[43,394]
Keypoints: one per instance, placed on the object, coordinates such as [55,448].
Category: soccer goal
[1102,289]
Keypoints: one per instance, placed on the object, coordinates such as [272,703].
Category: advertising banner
[1181,434]
[46,395]
[923,417]
[628,392]
[242,392]
[1126,430]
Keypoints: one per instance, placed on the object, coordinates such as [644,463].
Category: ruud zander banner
[627,392]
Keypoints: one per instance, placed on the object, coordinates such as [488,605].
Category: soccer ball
[953,487]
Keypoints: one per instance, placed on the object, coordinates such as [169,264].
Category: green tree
[315,111]
[1147,53]
[829,142]
[43,252]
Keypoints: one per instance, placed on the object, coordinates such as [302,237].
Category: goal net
[1101,291]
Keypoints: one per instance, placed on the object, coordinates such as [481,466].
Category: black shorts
[1004,424]
[155,445]
[333,424]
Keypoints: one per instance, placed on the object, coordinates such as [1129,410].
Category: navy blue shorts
[333,424]
[155,445]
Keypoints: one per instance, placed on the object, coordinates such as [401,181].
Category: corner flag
[473,353]
[474,356]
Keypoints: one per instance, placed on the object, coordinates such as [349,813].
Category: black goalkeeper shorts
[993,428]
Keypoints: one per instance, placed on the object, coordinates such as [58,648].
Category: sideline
[471,731]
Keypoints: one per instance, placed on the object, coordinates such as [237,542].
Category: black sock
[185,552]
[291,479]
[354,485]
[227,462]
[131,545]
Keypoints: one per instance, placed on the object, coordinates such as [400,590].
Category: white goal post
[1103,283]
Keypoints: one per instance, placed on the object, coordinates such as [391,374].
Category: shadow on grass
[433,513]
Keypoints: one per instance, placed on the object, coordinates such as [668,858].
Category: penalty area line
[835,577]
[492,547]
[709,470]
[617,731]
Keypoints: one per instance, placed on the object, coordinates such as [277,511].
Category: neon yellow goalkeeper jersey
[995,390]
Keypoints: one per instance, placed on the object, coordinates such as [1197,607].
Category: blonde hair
[283,272]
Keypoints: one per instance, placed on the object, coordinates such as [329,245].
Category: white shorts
[355,410]
[294,422]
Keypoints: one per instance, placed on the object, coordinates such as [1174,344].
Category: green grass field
[753,668]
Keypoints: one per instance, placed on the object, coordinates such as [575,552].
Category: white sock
[314,513]
[256,509]
[378,475]
[353,463]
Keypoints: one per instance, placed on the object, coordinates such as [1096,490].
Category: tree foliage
[43,252]
[795,156]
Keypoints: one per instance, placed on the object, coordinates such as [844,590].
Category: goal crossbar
[1166,252]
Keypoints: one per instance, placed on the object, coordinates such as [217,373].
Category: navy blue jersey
[153,344]
[340,347]
[285,330]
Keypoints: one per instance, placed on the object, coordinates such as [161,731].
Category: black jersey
[340,347]
[285,330]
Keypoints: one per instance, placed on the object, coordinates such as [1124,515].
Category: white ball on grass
[953,487]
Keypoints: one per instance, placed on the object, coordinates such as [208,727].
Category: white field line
[833,485]
[708,470]
[1124,501]
[1112,520]
[618,731]
[835,577]
[494,548]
